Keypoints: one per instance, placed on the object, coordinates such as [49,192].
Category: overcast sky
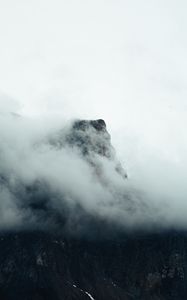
[123,60]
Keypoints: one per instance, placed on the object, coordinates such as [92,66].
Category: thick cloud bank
[67,176]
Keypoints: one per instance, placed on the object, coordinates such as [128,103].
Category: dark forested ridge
[41,266]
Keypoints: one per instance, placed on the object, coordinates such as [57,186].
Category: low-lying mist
[66,175]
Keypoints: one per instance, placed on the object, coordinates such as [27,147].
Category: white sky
[121,60]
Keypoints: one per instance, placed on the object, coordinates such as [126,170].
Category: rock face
[53,265]
[91,139]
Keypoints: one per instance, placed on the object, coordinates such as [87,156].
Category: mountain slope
[75,254]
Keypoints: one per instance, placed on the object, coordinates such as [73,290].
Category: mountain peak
[99,124]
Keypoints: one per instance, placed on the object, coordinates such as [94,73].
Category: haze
[123,61]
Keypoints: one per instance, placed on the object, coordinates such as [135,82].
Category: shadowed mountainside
[38,266]
[106,263]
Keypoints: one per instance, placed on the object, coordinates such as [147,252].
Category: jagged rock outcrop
[91,139]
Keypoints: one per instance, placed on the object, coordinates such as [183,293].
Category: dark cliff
[106,263]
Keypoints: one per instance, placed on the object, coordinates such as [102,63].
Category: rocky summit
[45,263]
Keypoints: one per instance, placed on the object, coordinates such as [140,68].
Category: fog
[48,182]
[122,61]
